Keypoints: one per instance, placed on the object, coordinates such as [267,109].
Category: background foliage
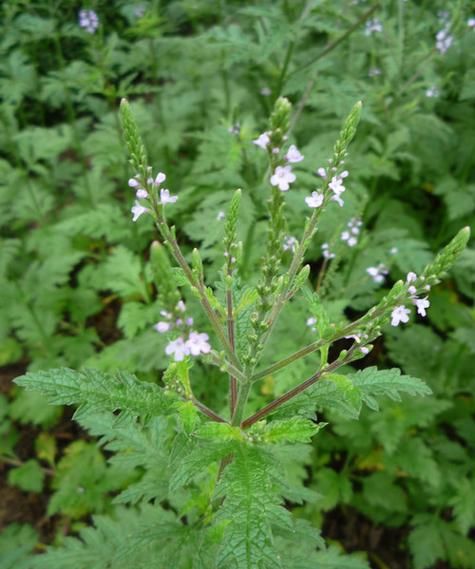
[78,290]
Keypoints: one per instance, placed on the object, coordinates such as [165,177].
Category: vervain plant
[218,478]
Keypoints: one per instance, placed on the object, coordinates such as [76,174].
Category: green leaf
[372,382]
[463,504]
[295,430]
[121,390]
[29,476]
[425,543]
[16,542]
[250,509]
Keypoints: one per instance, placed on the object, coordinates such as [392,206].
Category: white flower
[181,306]
[134,183]
[283,177]
[352,241]
[352,231]
[198,343]
[141,194]
[400,314]
[311,321]
[137,211]
[364,350]
[393,250]
[290,243]
[166,197]
[374,72]
[221,215]
[377,273]
[354,337]
[178,349]
[322,172]
[432,92]
[326,251]
[165,314]
[443,40]
[421,304]
[262,140]
[315,200]
[373,26]
[471,23]
[162,327]
[411,277]
[88,20]
[293,155]
[265,92]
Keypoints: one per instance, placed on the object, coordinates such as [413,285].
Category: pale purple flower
[221,215]
[373,26]
[283,177]
[160,178]
[315,200]
[166,197]
[189,321]
[471,23]
[178,348]
[354,337]
[350,235]
[141,194]
[162,327]
[322,172]
[422,304]
[290,243]
[134,183]
[364,350]
[198,343]
[138,210]
[262,140]
[337,187]
[293,155]
[88,20]
[400,314]
[411,277]
[311,323]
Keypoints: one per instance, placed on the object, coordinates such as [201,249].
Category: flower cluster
[443,40]
[378,274]
[373,26]
[141,193]
[196,343]
[359,338]
[350,235]
[401,312]
[327,254]
[88,20]
[282,176]
[337,187]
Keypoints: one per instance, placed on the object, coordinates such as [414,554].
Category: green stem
[243,394]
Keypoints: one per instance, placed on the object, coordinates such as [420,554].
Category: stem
[207,411]
[241,403]
[330,47]
[285,67]
[273,405]
[230,326]
[212,317]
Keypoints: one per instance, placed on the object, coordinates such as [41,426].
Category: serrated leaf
[389,382]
